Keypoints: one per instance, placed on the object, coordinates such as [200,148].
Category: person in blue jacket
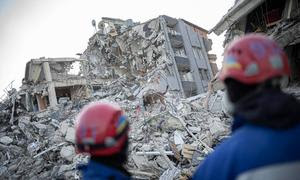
[102,132]
[265,141]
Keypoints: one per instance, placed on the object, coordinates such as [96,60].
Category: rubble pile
[170,143]
[132,59]
[151,71]
[172,128]
[174,137]
[133,52]
[38,145]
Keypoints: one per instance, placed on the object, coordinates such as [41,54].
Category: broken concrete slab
[217,128]
[178,139]
[140,161]
[70,134]
[6,140]
[63,128]
[33,147]
[67,152]
[188,151]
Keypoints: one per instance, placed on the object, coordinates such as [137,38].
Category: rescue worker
[265,141]
[102,132]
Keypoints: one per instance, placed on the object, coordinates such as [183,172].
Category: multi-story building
[160,53]
[178,45]
[188,46]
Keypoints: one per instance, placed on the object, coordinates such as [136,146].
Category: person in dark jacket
[265,142]
[102,131]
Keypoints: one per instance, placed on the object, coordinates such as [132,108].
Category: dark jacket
[264,144]
[95,170]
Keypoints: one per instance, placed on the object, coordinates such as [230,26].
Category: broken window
[204,74]
[186,76]
[200,60]
[190,88]
[75,69]
[180,52]
[64,69]
[265,16]
[63,93]
[172,31]
[294,61]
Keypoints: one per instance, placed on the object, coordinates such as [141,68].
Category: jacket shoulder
[94,170]
[220,164]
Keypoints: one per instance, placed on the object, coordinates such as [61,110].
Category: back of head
[250,62]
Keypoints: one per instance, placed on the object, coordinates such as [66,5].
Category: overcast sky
[61,28]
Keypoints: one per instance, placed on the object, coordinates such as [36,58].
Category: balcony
[183,63]
[176,41]
[171,22]
[189,88]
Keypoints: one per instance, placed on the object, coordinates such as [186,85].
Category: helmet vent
[276,62]
[251,70]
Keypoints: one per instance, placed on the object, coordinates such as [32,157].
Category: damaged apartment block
[51,81]
[160,53]
[279,19]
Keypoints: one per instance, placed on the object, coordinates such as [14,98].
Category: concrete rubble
[176,120]
[144,67]
[164,141]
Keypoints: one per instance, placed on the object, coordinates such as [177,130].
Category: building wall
[190,56]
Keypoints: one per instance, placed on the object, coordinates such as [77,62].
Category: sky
[32,29]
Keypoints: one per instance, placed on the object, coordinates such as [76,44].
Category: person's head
[252,62]
[102,130]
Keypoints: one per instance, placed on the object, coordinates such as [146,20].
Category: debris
[140,161]
[175,151]
[67,152]
[154,153]
[70,135]
[49,149]
[141,173]
[168,161]
[188,151]
[142,67]
[63,128]
[170,174]
[201,142]
[178,140]
[216,127]
[197,158]
[6,140]
[33,147]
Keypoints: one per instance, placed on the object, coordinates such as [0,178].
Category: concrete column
[192,59]
[204,54]
[51,87]
[28,102]
[169,50]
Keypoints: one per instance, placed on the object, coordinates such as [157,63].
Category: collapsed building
[157,71]
[51,80]
[175,51]
[278,19]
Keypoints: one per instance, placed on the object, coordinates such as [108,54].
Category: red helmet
[254,59]
[101,129]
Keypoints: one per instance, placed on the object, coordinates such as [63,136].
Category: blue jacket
[94,170]
[265,143]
